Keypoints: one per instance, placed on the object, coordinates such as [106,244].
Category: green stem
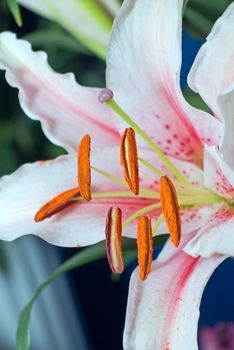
[157,223]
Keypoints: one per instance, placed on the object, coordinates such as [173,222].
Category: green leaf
[195,100]
[15,11]
[87,255]
[184,5]
[55,37]
[197,21]
[3,258]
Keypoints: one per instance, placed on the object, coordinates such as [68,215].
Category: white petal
[143,68]
[66,109]
[82,223]
[226,105]
[213,70]
[163,311]
[215,237]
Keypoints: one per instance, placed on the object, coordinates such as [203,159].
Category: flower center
[163,204]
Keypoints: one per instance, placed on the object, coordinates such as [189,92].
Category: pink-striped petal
[82,223]
[143,68]
[163,311]
[213,70]
[66,109]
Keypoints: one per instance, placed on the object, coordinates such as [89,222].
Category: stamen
[114,240]
[84,170]
[170,209]
[144,245]
[128,159]
[56,204]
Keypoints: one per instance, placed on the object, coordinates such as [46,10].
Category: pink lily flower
[220,337]
[191,146]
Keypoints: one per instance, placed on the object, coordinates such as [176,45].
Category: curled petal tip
[105,95]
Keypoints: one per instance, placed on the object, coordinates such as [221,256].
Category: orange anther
[128,159]
[114,240]
[84,171]
[170,209]
[144,246]
[56,204]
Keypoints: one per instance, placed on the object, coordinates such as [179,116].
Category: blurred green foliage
[200,15]
[15,11]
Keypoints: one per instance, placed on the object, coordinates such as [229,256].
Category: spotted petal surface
[143,68]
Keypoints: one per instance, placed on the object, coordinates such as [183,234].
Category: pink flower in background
[191,146]
[219,337]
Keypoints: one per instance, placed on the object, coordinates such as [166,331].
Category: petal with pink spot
[215,237]
[218,175]
[143,68]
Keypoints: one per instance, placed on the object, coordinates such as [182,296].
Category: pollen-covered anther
[144,246]
[84,170]
[114,240]
[56,204]
[170,209]
[129,160]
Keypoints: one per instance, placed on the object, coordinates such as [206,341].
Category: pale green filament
[157,224]
[122,182]
[140,212]
[151,167]
[115,107]
[110,177]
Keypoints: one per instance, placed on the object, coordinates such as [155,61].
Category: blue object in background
[190,48]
